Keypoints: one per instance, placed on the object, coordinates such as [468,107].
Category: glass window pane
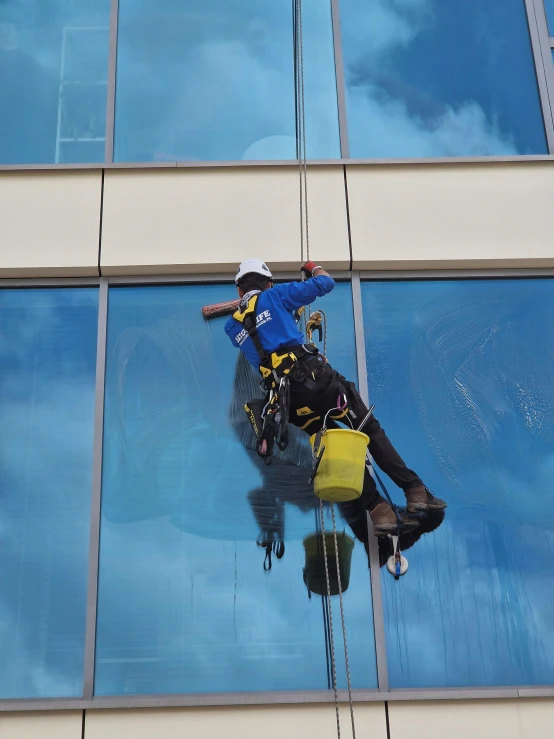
[53,81]
[47,383]
[184,602]
[461,374]
[215,81]
[438,79]
[549,7]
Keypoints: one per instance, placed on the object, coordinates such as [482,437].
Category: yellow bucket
[340,475]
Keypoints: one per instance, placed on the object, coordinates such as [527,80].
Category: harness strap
[246,314]
[280,363]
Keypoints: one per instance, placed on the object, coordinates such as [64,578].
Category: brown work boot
[420,500]
[385,521]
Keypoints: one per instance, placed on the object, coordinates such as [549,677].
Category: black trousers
[310,403]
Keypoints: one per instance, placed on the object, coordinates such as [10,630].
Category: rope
[325,614]
[301,138]
[301,131]
[330,611]
[343,624]
[304,238]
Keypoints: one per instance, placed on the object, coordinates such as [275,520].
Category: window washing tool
[220,309]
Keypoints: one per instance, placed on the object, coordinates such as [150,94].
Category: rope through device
[301,129]
[305,239]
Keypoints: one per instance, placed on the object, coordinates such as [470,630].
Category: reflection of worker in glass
[285,483]
[314,385]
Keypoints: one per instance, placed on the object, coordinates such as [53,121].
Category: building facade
[146,148]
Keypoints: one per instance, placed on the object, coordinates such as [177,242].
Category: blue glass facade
[440,79]
[53,81]
[460,372]
[216,81]
[184,602]
[47,382]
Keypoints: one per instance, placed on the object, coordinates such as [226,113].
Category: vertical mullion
[340,83]
[538,31]
[94,540]
[376,593]
[112,66]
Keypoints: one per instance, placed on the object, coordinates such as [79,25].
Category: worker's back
[275,322]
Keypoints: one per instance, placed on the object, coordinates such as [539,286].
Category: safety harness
[270,417]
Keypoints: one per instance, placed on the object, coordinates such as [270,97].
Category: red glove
[308,268]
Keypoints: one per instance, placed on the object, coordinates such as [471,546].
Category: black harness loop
[300,363]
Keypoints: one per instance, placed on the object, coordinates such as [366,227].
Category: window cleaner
[302,388]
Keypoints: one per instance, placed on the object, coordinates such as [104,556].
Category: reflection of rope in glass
[325,605]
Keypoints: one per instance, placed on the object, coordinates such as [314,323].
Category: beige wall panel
[290,722]
[189,221]
[52,725]
[440,216]
[49,223]
[482,719]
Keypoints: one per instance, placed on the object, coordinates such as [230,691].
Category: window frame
[383,692]
[542,46]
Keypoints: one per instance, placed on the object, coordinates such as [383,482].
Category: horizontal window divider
[292,163]
[173,279]
[507,159]
[306,697]
[27,282]
[205,278]
[456,274]
[546,691]
[50,167]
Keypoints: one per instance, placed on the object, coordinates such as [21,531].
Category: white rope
[301,132]
[343,624]
[304,238]
[330,612]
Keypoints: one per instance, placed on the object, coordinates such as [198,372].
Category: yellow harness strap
[283,362]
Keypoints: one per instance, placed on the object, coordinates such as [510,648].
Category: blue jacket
[275,322]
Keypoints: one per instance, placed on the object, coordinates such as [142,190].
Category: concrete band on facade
[160,221]
[483,719]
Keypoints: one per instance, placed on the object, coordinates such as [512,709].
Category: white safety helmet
[253,265]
